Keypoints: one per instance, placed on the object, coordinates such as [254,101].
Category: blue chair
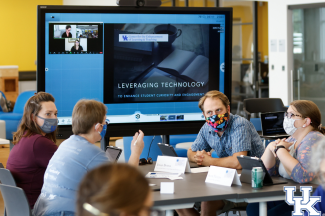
[13,118]
[5,98]
[154,151]
[257,123]
[214,155]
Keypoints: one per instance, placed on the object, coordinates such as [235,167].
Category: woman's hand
[137,143]
[271,147]
[285,144]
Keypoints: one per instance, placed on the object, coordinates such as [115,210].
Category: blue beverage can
[257,177]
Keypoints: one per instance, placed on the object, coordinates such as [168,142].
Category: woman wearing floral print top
[290,158]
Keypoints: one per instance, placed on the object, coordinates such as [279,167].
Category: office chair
[262,105]
[6,178]
[15,200]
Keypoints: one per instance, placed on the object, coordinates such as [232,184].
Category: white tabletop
[4,141]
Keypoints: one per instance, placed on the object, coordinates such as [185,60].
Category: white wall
[88,2]
[27,86]
[280,24]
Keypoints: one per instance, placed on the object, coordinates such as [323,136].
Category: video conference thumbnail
[161,62]
[71,38]
[75,31]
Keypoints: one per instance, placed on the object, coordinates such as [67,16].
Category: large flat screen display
[149,66]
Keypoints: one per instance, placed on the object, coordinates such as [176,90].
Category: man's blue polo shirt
[240,135]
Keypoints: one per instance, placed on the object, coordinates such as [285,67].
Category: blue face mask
[49,125]
[102,134]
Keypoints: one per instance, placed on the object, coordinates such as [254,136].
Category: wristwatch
[278,147]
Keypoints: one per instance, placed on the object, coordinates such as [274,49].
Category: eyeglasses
[95,211]
[289,115]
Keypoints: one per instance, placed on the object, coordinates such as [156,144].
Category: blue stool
[154,151]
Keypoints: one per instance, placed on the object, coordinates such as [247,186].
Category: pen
[136,141]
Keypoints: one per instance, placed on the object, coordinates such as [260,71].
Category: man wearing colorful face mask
[229,135]
[290,158]
[75,157]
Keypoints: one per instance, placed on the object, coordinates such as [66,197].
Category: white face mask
[289,125]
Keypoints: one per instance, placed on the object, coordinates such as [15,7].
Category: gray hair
[318,155]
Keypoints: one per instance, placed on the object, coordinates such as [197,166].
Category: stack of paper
[162,175]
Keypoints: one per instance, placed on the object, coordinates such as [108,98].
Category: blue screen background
[70,78]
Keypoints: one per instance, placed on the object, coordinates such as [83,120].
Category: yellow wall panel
[263,30]
[18,32]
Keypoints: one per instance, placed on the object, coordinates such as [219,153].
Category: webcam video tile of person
[67,33]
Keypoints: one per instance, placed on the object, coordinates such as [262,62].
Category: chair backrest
[21,101]
[4,96]
[15,200]
[6,177]
[262,105]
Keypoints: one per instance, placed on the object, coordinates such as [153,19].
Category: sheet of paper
[282,45]
[222,176]
[172,164]
[200,170]
[176,178]
[162,175]
[166,187]
[274,46]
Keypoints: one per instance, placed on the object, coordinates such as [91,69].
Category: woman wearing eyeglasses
[318,166]
[290,158]
[75,157]
[115,190]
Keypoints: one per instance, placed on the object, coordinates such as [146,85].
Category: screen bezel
[128,129]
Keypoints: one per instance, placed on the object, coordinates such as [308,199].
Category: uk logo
[125,37]
[302,203]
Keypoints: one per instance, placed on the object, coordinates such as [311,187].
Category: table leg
[263,209]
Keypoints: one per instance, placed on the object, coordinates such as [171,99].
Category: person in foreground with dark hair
[34,145]
[290,158]
[75,157]
[115,190]
[67,33]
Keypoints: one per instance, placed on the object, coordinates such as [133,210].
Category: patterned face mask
[218,123]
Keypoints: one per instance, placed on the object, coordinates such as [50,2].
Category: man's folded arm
[230,161]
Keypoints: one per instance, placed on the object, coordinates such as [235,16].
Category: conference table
[192,188]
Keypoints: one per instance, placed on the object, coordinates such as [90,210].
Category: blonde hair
[309,109]
[28,126]
[113,189]
[214,94]
[85,114]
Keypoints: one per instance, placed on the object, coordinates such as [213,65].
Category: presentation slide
[161,62]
